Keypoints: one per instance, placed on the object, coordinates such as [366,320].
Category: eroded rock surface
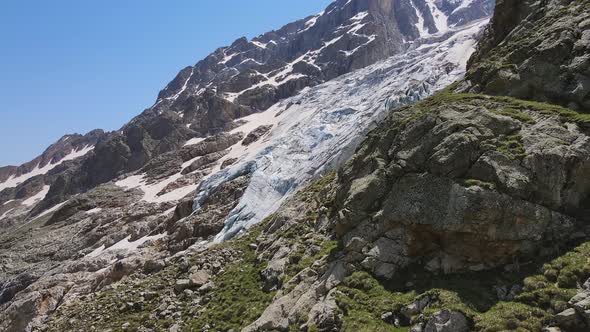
[458,185]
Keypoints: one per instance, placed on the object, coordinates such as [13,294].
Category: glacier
[319,129]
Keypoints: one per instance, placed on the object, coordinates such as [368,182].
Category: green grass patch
[301,260]
[511,316]
[238,298]
[310,193]
[363,300]
[512,147]
[516,114]
[508,106]
[546,289]
[474,182]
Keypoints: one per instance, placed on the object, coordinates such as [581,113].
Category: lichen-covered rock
[536,50]
[569,319]
[458,183]
[447,321]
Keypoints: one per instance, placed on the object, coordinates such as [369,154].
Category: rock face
[256,134]
[102,195]
[463,168]
[549,63]
[348,35]
[95,209]
[453,183]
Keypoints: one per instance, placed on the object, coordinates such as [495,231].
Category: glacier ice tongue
[318,129]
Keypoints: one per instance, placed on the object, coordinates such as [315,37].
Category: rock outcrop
[536,50]
[456,183]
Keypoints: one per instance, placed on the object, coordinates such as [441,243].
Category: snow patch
[420,24]
[440,19]
[258,44]
[194,141]
[360,16]
[310,23]
[5,214]
[94,211]
[37,197]
[125,245]
[464,4]
[184,87]
[50,210]
[150,191]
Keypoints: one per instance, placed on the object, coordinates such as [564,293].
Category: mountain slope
[250,76]
[462,212]
[240,146]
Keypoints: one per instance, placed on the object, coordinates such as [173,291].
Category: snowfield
[318,129]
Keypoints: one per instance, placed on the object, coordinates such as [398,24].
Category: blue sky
[70,66]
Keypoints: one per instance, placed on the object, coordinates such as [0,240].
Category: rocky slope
[462,212]
[124,201]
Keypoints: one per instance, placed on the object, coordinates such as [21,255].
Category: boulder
[447,321]
[153,265]
[198,279]
[181,285]
[569,319]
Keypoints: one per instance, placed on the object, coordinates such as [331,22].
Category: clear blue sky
[70,66]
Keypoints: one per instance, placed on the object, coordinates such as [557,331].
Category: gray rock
[417,328]
[181,285]
[152,266]
[199,278]
[388,317]
[256,134]
[228,162]
[447,321]
[568,319]
[552,68]
[406,178]
[415,308]
[326,316]
[206,287]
